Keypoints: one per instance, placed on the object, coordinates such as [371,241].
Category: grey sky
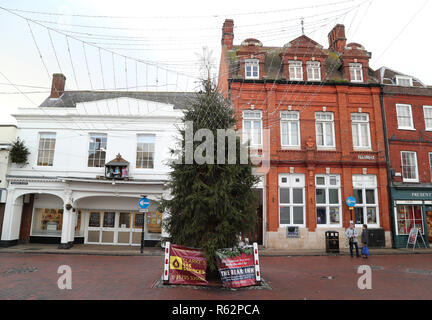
[169,36]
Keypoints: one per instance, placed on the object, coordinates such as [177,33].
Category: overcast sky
[156,44]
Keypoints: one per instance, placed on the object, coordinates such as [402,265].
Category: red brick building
[321,107]
[407,105]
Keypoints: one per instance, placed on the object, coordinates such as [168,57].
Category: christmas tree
[212,204]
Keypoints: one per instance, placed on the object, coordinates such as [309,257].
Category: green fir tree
[19,152]
[211,204]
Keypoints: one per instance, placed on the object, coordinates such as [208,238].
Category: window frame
[88,149]
[413,204]
[404,78]
[411,127]
[142,158]
[253,64]
[289,122]
[416,167]
[310,68]
[291,186]
[358,124]
[364,186]
[352,68]
[245,134]
[425,107]
[295,64]
[324,131]
[327,205]
[45,150]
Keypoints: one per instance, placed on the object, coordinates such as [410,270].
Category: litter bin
[332,241]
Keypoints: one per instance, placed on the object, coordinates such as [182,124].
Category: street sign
[144,203]
[144,210]
[351,202]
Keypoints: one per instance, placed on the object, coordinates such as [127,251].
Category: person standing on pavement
[351,234]
[365,240]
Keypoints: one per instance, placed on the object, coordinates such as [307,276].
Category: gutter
[387,155]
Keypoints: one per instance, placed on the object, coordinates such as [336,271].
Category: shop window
[109,220]
[328,200]
[291,200]
[46,149]
[94,220]
[97,150]
[124,220]
[47,222]
[138,220]
[366,194]
[408,217]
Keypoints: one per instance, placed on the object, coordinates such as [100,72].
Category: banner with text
[236,267]
[187,266]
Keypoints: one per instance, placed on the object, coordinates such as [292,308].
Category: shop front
[412,208]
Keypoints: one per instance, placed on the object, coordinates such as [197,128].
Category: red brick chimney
[228,34]
[337,39]
[58,85]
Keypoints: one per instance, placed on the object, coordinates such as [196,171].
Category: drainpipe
[387,155]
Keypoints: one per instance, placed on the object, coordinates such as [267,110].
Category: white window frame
[353,69]
[411,204]
[88,149]
[254,67]
[313,68]
[292,183]
[363,184]
[320,118]
[357,121]
[141,159]
[288,118]
[44,151]
[430,163]
[398,78]
[252,116]
[293,67]
[411,126]
[327,205]
[427,128]
[416,179]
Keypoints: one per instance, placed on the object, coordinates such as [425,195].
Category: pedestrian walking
[351,234]
[365,241]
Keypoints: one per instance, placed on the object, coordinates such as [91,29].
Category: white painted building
[63,195]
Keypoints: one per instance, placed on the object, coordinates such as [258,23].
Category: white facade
[69,180]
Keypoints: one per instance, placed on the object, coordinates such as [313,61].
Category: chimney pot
[58,85]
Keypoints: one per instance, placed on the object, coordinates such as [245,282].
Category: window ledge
[408,129]
[326,148]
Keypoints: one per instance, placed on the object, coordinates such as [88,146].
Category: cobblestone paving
[34,276]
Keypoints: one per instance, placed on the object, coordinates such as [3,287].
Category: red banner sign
[187,266]
[236,267]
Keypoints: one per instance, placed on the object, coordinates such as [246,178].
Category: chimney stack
[337,39]
[228,34]
[58,85]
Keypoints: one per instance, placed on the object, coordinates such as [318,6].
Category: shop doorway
[257,234]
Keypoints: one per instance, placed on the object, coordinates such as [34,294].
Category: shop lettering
[366,157]
[184,310]
[421,194]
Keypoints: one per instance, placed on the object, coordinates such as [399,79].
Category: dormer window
[356,72]
[295,70]
[252,68]
[404,81]
[313,71]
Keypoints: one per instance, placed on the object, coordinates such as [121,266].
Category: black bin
[332,241]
